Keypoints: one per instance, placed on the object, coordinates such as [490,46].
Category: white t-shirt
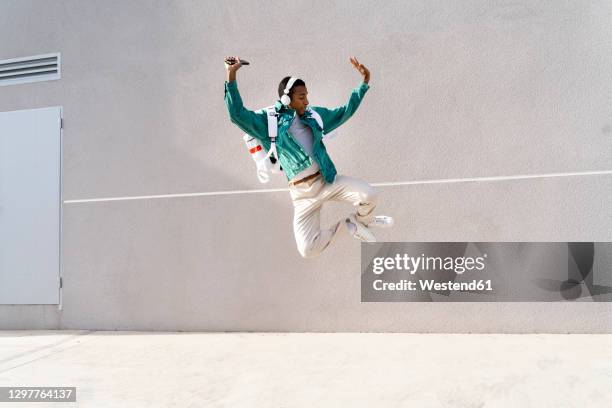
[303,134]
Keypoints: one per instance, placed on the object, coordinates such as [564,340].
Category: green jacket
[292,157]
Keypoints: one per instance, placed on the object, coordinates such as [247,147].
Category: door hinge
[61,123]
[61,283]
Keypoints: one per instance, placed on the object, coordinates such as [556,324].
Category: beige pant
[308,198]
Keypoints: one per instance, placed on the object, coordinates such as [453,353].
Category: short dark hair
[283,84]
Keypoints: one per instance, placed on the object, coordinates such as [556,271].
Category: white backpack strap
[272,122]
[317,117]
[273,132]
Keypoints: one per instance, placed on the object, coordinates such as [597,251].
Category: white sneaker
[381,221]
[361,232]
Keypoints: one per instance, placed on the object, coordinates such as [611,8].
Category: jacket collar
[279,107]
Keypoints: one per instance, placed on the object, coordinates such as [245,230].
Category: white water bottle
[258,154]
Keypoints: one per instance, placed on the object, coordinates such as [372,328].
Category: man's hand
[362,69]
[231,67]
[232,63]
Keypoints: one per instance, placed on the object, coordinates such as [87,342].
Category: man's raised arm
[333,118]
[255,124]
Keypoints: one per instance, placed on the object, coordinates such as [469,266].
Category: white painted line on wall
[496,178]
[209,193]
[384,184]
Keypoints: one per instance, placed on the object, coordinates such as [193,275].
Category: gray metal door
[30,206]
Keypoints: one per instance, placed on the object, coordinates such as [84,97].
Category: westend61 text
[429,285]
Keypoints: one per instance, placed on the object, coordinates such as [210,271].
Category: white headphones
[285,99]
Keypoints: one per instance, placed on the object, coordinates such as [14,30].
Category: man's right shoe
[362,232]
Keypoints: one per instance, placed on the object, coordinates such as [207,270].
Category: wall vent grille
[30,69]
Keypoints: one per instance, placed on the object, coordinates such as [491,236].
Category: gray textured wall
[458,89]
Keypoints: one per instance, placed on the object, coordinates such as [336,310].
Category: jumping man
[309,169]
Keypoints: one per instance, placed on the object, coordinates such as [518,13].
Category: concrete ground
[189,369]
